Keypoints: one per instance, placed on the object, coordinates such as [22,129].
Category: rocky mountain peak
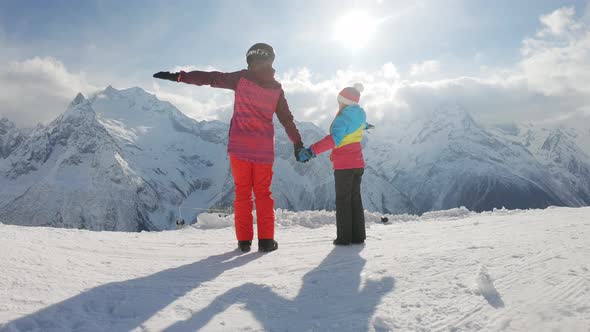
[79,99]
[6,125]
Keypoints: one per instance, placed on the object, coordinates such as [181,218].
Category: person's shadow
[126,305]
[331,298]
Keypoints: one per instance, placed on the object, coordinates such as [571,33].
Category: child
[258,96]
[346,134]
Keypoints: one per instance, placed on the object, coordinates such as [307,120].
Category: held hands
[166,75]
[305,155]
[299,149]
[296,148]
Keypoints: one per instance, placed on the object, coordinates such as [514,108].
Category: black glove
[166,75]
[297,147]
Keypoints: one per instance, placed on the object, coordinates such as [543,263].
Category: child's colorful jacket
[346,134]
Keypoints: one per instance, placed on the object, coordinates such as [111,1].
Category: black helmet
[260,52]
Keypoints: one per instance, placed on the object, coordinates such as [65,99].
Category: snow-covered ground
[445,271]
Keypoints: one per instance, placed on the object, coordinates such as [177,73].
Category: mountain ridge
[137,163]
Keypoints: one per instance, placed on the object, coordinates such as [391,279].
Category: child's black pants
[350,217]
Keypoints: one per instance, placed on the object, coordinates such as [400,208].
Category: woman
[258,97]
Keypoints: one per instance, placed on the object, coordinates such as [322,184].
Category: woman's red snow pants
[255,177]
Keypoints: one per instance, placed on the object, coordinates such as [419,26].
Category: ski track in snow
[445,271]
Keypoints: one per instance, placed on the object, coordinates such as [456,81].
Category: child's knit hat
[351,95]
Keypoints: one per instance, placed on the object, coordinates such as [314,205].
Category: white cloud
[490,100]
[560,64]
[550,82]
[390,71]
[559,22]
[425,68]
[38,89]
[313,98]
[198,103]
[188,68]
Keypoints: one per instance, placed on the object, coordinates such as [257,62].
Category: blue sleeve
[339,128]
[349,121]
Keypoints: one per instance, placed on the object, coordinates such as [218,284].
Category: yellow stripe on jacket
[353,137]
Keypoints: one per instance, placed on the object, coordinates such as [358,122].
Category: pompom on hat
[351,95]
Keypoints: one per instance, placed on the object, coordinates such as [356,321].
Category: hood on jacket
[263,76]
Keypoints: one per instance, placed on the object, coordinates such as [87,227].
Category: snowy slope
[444,159]
[582,137]
[562,152]
[445,271]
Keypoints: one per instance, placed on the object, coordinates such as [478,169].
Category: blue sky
[140,36]
[124,42]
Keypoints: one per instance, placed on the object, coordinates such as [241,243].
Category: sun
[355,29]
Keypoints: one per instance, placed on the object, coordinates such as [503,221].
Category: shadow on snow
[125,305]
[330,298]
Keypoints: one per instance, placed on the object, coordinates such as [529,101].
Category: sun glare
[355,29]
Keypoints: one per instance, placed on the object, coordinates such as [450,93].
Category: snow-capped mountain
[560,152]
[10,137]
[124,160]
[120,161]
[444,159]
